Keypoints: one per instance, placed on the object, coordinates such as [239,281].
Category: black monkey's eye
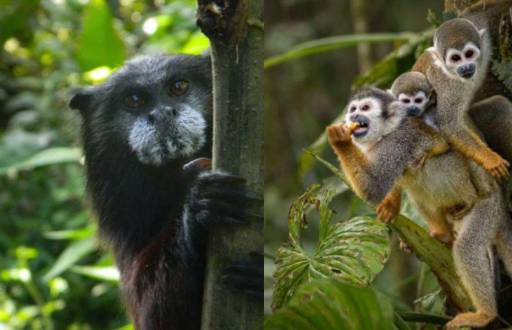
[134,100]
[455,58]
[179,87]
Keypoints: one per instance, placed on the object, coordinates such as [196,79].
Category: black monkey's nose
[162,115]
[466,71]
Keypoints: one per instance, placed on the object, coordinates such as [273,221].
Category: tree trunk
[235,30]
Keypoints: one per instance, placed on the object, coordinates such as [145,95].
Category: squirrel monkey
[360,145]
[456,67]
[448,188]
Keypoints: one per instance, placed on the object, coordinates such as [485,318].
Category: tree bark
[235,30]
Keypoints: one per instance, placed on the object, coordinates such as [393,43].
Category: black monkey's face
[157,105]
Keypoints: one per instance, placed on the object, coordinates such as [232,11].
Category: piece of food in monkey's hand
[352,126]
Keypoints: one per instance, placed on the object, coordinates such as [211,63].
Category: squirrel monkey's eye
[406,100]
[418,100]
[455,58]
[365,107]
[353,108]
[134,100]
[469,53]
[179,87]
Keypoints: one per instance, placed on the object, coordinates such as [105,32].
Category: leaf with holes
[352,251]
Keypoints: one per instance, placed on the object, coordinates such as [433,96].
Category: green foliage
[329,304]
[352,251]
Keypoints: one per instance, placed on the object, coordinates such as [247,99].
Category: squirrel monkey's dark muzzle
[413,111]
[466,71]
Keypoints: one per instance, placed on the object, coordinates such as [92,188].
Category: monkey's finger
[235,194]
[220,179]
[198,164]
[225,209]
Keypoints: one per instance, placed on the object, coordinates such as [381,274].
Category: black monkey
[139,129]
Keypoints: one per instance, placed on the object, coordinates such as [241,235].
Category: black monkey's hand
[218,198]
[246,275]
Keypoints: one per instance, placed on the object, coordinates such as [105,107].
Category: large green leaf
[327,304]
[99,44]
[46,157]
[352,251]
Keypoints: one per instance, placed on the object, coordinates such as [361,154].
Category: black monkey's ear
[81,98]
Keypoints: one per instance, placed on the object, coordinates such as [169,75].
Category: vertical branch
[235,30]
[360,24]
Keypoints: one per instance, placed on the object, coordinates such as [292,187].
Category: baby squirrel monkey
[448,188]
[455,67]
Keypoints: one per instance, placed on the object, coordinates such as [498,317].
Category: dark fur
[140,207]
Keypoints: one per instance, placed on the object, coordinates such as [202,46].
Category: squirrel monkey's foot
[339,134]
[497,166]
[442,236]
[478,319]
[388,210]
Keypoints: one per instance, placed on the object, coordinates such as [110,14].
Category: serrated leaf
[352,251]
[46,157]
[74,252]
[328,304]
[99,44]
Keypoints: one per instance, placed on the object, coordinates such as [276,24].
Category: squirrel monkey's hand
[339,134]
[496,165]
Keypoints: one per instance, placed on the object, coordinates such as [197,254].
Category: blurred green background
[53,273]
[304,95]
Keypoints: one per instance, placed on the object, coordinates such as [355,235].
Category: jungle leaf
[46,157]
[99,43]
[352,251]
[328,304]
